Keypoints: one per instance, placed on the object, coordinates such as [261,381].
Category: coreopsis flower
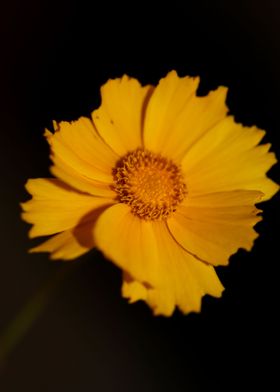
[159,179]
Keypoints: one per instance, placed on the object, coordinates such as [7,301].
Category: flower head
[162,181]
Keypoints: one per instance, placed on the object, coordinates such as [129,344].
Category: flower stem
[30,312]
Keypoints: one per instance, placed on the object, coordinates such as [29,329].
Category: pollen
[152,185]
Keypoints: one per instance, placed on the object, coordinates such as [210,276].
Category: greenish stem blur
[31,311]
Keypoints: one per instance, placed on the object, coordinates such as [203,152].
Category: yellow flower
[162,181]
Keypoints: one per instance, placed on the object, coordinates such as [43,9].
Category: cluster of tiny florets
[149,183]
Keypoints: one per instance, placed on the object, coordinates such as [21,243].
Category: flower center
[150,184]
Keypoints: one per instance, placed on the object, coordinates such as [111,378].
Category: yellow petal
[176,117]
[213,227]
[161,301]
[185,280]
[132,289]
[128,241]
[228,158]
[148,253]
[119,119]
[77,148]
[69,244]
[56,207]
[83,184]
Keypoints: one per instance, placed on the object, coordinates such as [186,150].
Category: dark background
[54,57]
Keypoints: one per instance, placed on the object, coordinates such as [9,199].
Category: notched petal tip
[24,207]
[259,197]
[219,94]
[48,134]
[174,74]
[27,184]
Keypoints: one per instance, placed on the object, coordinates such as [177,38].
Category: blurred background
[54,57]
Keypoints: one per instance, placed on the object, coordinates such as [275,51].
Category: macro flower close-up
[162,181]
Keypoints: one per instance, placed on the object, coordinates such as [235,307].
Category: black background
[54,57]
